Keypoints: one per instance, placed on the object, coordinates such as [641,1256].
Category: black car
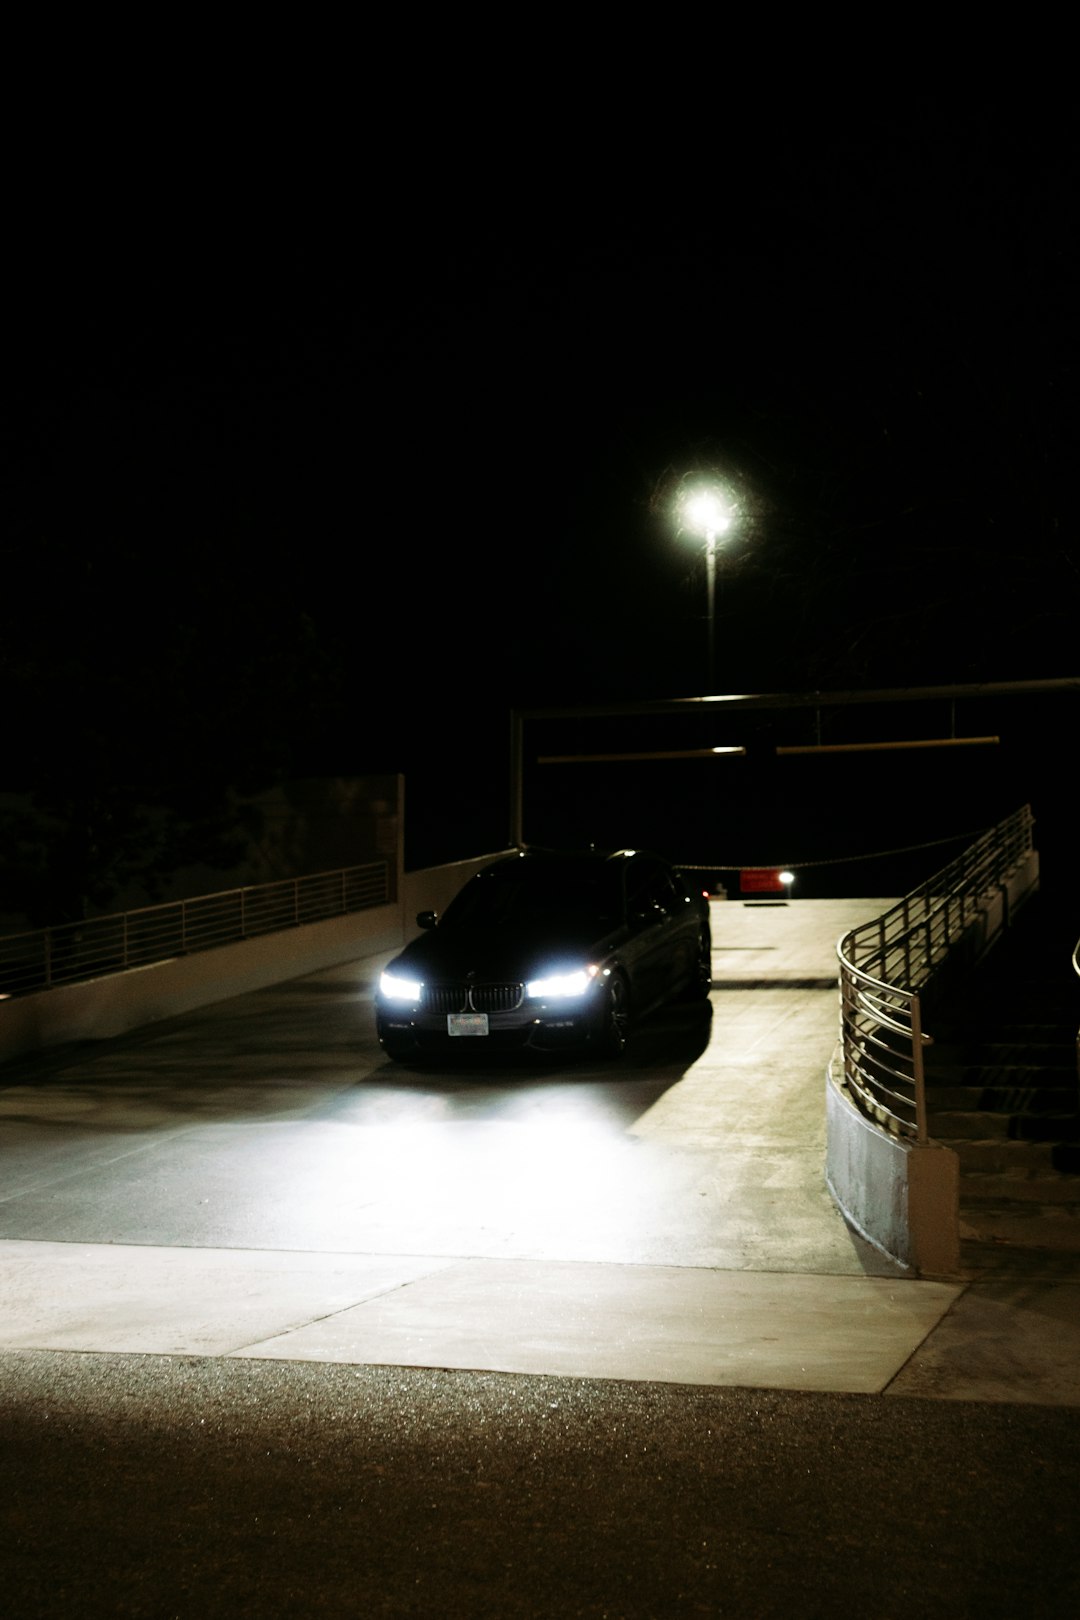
[548,949]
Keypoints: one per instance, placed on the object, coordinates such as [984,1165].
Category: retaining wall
[116,1003]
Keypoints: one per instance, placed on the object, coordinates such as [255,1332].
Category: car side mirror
[426,919]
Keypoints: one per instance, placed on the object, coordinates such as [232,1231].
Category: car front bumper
[540,1027]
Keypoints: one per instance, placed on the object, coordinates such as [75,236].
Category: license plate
[467,1023]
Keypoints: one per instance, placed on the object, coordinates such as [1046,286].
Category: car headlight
[561,986]
[394,988]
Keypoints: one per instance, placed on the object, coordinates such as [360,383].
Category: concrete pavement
[696,1246]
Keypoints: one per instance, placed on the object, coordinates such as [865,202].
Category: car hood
[507,953]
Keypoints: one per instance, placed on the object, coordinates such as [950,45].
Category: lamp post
[707,510]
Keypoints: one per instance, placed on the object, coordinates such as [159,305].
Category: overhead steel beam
[757,701]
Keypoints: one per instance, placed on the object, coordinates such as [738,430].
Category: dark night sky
[353,470]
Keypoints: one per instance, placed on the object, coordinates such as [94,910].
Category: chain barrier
[834,860]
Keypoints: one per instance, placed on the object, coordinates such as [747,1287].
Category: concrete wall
[116,1003]
[902,1197]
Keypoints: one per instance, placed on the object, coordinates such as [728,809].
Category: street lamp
[707,510]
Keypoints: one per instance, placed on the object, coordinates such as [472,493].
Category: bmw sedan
[548,950]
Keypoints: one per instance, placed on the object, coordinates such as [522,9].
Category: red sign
[757,881]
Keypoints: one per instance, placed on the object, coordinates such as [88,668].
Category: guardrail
[74,952]
[886,964]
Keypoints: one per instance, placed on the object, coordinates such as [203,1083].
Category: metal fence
[886,963]
[73,952]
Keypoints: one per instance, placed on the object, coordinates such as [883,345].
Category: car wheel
[701,982]
[616,1025]
[399,1054]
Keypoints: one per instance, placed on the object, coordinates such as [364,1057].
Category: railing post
[918,1071]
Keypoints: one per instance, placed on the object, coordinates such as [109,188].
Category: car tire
[400,1054]
[615,1028]
[701,983]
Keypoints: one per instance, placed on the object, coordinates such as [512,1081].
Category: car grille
[489,998]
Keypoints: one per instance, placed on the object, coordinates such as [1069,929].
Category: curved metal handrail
[882,1040]
[885,963]
[1076,970]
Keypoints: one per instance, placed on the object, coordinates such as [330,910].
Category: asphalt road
[156,1486]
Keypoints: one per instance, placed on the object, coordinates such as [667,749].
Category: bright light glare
[707,512]
[550,1179]
[787,878]
[398,989]
[561,985]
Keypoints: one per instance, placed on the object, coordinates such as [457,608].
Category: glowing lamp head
[706,511]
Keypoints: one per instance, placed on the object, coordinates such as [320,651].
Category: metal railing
[74,952]
[886,963]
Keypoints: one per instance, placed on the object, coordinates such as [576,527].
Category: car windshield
[527,894]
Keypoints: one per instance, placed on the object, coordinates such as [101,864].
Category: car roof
[536,856]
